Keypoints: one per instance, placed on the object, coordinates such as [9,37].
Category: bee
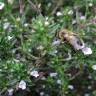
[65,35]
[71,38]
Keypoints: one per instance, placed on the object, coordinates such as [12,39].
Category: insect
[72,38]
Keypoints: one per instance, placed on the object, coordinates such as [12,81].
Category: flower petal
[87,51]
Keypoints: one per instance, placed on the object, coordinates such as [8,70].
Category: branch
[59,3]
[21,6]
[34,7]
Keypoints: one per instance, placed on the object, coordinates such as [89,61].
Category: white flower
[34,73]
[26,25]
[10,37]
[89,77]
[89,87]
[70,12]
[82,17]
[94,67]
[10,92]
[55,42]
[49,4]
[33,31]
[29,50]
[43,86]
[90,4]
[74,22]
[14,50]
[53,74]
[18,19]
[22,85]
[59,13]
[58,81]
[42,93]
[46,18]
[1,5]
[46,23]
[86,94]
[55,51]
[40,47]
[5,25]
[87,51]
[70,87]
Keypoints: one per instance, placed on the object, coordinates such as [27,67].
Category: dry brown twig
[34,7]
[58,4]
[21,6]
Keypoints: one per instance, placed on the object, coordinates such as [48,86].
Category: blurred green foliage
[27,30]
